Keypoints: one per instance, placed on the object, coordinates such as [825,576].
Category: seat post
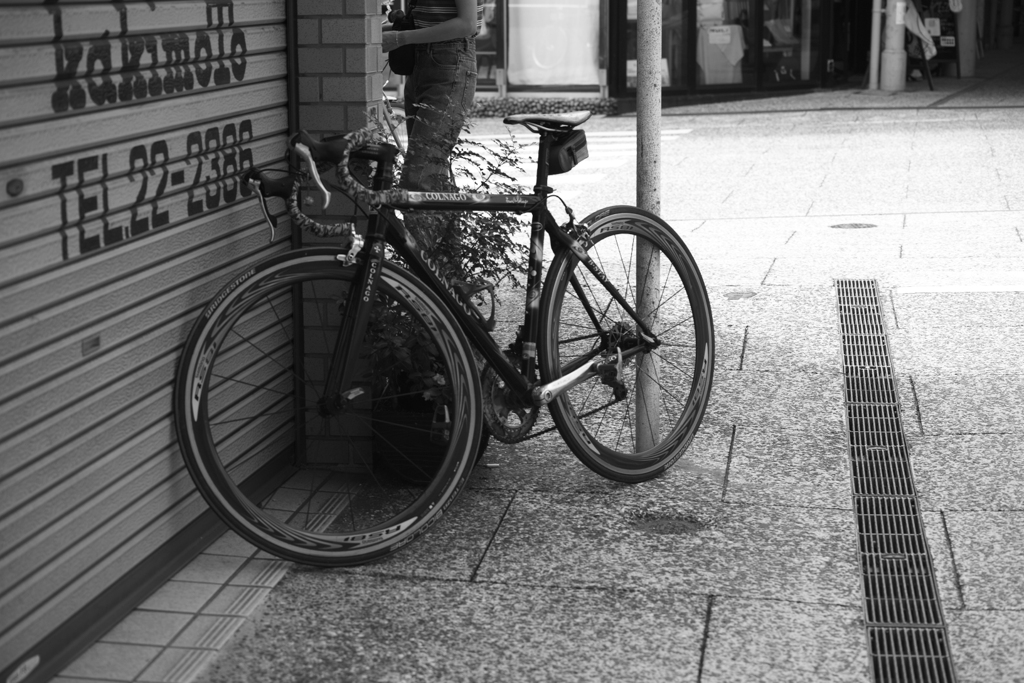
[542,161]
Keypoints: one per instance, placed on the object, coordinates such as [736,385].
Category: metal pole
[876,43]
[1005,39]
[967,38]
[648,197]
[893,77]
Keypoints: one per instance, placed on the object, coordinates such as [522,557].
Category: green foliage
[403,357]
[468,247]
[506,106]
[481,246]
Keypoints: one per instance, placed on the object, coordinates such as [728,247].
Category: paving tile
[634,540]
[546,464]
[237,601]
[791,308]
[208,632]
[968,471]
[727,272]
[112,661]
[403,630]
[953,348]
[177,665]
[941,242]
[453,547]
[946,576]
[257,572]
[231,544]
[989,552]
[207,568]
[958,314]
[180,596]
[147,628]
[799,468]
[987,646]
[966,403]
[953,271]
[777,401]
[822,270]
[765,641]
[781,346]
[730,345]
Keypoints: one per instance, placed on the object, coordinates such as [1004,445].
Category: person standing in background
[438,97]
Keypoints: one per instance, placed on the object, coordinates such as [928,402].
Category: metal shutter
[123,126]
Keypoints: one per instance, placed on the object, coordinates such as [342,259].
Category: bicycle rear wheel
[317,479]
[668,384]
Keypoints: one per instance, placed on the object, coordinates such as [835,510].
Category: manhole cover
[742,294]
[853,226]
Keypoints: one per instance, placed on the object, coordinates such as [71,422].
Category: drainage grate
[853,226]
[931,664]
[905,627]
[880,471]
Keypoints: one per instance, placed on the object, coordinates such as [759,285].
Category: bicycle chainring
[507,418]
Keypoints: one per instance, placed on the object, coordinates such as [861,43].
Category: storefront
[707,45]
[541,44]
[724,45]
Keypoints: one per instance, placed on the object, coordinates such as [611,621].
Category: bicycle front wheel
[304,475]
[667,383]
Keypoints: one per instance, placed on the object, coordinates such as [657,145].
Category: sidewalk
[540,570]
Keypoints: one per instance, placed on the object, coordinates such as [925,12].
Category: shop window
[725,54]
[553,42]
[790,42]
[674,52]
[489,44]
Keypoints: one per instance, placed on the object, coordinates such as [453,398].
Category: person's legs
[438,97]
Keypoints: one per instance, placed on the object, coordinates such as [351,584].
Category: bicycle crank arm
[546,393]
[610,374]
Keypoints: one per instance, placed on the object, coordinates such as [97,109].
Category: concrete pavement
[545,571]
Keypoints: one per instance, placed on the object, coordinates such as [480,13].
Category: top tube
[462,201]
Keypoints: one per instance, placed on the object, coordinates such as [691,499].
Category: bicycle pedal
[466,291]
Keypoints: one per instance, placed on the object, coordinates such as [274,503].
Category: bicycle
[617,343]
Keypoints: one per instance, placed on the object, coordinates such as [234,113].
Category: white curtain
[553,42]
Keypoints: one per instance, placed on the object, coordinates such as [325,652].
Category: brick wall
[340,86]
[339,64]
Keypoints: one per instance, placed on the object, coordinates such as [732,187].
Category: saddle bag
[567,150]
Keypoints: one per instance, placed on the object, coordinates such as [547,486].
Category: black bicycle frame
[392,232]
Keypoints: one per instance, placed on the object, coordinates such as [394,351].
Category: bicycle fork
[354,321]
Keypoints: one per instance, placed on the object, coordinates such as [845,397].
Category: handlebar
[288,190]
[338,152]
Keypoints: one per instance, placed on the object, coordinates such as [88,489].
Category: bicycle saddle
[568,120]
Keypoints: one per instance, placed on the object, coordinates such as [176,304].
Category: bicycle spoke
[257,404]
[658,385]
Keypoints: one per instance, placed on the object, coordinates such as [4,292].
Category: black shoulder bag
[402,59]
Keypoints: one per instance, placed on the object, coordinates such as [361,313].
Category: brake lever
[271,220]
[304,152]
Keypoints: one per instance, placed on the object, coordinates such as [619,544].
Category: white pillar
[648,196]
[967,37]
[893,77]
[876,44]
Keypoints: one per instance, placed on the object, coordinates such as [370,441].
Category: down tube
[406,247]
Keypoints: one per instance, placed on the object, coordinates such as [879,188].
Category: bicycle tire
[248,413]
[604,433]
